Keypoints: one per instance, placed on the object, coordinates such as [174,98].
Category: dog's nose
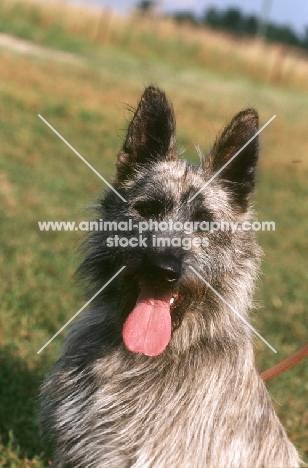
[166,269]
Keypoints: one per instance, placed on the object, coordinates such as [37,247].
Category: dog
[160,371]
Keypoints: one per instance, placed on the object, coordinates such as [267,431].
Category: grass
[84,30]
[41,179]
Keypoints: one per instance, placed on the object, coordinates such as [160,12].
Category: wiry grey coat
[201,402]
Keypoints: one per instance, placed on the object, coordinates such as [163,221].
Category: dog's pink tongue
[147,329]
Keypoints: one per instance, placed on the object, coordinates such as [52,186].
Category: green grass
[42,179]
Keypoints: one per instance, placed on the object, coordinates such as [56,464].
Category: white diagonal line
[80,310]
[233,157]
[233,310]
[81,157]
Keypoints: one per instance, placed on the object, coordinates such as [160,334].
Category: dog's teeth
[172,300]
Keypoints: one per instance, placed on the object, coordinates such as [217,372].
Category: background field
[96,70]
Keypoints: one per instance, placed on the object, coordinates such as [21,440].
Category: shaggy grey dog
[160,372]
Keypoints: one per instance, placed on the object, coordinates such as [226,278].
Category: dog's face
[176,211]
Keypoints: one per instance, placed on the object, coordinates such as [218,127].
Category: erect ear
[239,173]
[150,135]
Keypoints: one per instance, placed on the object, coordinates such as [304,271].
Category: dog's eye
[202,215]
[150,208]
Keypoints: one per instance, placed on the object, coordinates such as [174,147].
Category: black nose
[166,269]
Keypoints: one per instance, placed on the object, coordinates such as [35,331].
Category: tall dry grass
[165,39]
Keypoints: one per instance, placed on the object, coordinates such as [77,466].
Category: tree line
[235,21]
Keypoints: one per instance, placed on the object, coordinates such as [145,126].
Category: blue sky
[291,12]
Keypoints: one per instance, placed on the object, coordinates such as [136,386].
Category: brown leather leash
[285,364]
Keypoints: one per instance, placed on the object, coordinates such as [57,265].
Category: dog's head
[180,239]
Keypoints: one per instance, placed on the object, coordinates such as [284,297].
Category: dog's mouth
[175,301]
[147,329]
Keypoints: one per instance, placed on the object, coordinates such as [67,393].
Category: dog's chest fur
[206,409]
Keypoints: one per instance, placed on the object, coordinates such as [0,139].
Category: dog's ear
[150,135]
[239,173]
